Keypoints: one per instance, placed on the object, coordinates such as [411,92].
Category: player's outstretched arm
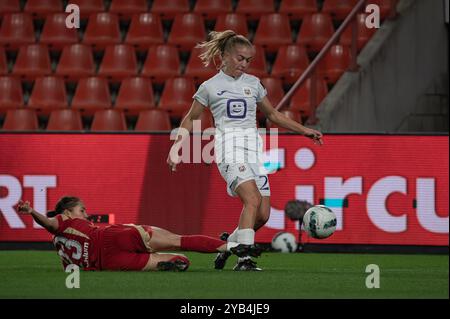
[50,224]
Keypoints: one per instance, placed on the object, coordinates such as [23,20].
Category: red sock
[200,243]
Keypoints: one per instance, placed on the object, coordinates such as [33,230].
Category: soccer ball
[284,242]
[319,222]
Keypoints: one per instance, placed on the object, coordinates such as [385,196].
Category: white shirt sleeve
[202,95]
[261,92]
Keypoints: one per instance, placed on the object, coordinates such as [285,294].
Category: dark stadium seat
[274,88]
[177,95]
[162,62]
[41,8]
[89,7]
[232,21]
[338,9]
[254,9]
[315,31]
[145,30]
[135,94]
[102,30]
[168,9]
[65,120]
[3,61]
[363,34]
[76,62]
[293,115]
[11,93]
[335,63]
[258,65]
[290,63]
[206,120]
[109,120]
[297,9]
[32,61]
[211,9]
[49,93]
[118,62]
[9,6]
[16,29]
[21,120]
[300,100]
[91,94]
[153,120]
[197,70]
[187,30]
[126,8]
[273,31]
[55,33]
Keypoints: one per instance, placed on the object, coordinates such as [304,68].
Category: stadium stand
[153,120]
[232,21]
[91,94]
[11,93]
[55,34]
[297,9]
[177,95]
[109,120]
[162,63]
[102,30]
[273,31]
[76,62]
[65,120]
[33,60]
[168,9]
[21,120]
[16,29]
[211,9]
[135,95]
[49,93]
[145,30]
[118,62]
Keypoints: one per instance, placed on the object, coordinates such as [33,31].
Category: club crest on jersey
[241,168]
[247,91]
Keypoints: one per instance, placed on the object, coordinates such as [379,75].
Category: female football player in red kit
[120,247]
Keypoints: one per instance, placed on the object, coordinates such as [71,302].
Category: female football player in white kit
[233,96]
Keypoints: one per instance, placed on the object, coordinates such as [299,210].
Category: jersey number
[66,247]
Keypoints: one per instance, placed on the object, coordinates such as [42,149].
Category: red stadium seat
[33,61]
[298,9]
[274,88]
[254,9]
[153,120]
[338,9]
[232,21]
[162,63]
[17,29]
[197,70]
[300,101]
[187,30]
[126,8]
[91,94]
[293,115]
[118,62]
[48,93]
[145,30]
[335,63]
[363,34]
[206,120]
[89,7]
[102,30]
[315,31]
[40,8]
[76,62]
[109,120]
[3,62]
[177,95]
[290,63]
[65,120]
[211,9]
[135,94]
[258,65]
[168,9]
[9,6]
[11,93]
[21,120]
[273,31]
[55,33]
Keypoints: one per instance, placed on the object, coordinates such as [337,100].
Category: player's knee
[253,201]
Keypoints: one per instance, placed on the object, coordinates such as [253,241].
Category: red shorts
[125,247]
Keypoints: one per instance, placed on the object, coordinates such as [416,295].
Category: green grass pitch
[38,274]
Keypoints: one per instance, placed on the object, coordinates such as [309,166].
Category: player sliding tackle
[121,247]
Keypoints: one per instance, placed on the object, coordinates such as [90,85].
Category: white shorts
[235,174]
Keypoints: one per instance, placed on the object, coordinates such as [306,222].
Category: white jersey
[233,105]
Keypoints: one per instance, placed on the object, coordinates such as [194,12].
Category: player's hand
[316,136]
[173,159]
[24,207]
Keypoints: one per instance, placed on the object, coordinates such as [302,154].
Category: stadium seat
[109,120]
[298,9]
[16,29]
[32,61]
[40,8]
[335,63]
[232,21]
[55,33]
[254,9]
[11,93]
[315,31]
[135,94]
[126,8]
[48,93]
[21,120]
[363,34]
[290,63]
[153,120]
[300,101]
[197,70]
[274,88]
[187,30]
[206,119]
[76,62]
[258,65]
[168,9]
[118,62]
[89,7]
[293,115]
[273,31]
[162,62]
[177,95]
[3,62]
[102,30]
[9,6]
[65,120]
[211,9]
[145,30]
[91,94]
[338,9]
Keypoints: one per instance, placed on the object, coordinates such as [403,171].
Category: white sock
[246,236]
[233,235]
